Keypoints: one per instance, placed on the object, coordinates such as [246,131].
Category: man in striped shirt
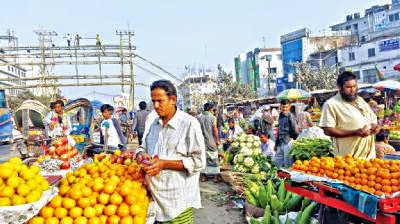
[174,147]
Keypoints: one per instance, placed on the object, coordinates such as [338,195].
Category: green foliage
[14,102]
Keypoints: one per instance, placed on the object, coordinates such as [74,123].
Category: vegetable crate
[330,196]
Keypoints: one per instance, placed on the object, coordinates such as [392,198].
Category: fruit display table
[330,196]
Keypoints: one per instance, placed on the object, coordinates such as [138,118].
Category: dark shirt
[287,129]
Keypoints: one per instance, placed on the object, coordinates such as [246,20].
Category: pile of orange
[98,193]
[375,176]
[20,184]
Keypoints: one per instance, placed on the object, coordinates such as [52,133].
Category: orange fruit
[103,198]
[98,186]
[84,202]
[75,194]
[89,212]
[371,183]
[94,220]
[123,210]
[46,212]
[60,212]
[395,182]
[68,203]
[386,182]
[99,209]
[364,182]
[116,199]
[387,189]
[114,219]
[81,220]
[135,209]
[130,199]
[86,191]
[378,193]
[63,190]
[103,219]
[126,220]
[372,177]
[93,199]
[140,219]
[37,220]
[56,201]
[110,210]
[67,220]
[395,188]
[378,186]
[75,212]
[109,188]
[52,220]
[124,190]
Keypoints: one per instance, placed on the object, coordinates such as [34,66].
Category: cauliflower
[267,165]
[248,162]
[249,145]
[255,169]
[243,145]
[240,158]
[235,144]
[242,139]
[236,167]
[243,169]
[249,139]
[257,151]
[256,144]
[256,138]
[246,151]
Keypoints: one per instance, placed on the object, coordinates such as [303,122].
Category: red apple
[131,154]
[114,159]
[52,150]
[64,157]
[65,165]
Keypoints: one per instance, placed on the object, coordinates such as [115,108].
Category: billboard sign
[388,45]
[380,21]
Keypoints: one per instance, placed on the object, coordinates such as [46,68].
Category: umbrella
[368,90]
[387,85]
[293,94]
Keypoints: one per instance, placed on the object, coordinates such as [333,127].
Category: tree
[230,91]
[315,78]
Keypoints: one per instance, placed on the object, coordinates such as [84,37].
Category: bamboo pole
[70,85]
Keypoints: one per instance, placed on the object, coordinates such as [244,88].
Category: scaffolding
[47,56]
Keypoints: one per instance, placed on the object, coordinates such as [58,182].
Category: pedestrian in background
[139,121]
[208,124]
[287,131]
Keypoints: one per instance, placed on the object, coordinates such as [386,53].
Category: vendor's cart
[331,196]
[29,118]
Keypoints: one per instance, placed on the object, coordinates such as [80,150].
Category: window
[8,67]
[355,26]
[279,56]
[272,70]
[369,76]
[394,17]
[371,52]
[363,39]
[357,74]
[348,27]
[352,56]
[12,69]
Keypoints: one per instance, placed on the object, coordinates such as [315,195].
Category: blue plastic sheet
[364,202]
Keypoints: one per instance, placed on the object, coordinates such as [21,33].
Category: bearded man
[349,120]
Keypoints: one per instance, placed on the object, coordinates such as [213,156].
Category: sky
[174,33]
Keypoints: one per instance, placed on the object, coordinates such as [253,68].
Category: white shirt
[268,148]
[113,138]
[232,134]
[181,139]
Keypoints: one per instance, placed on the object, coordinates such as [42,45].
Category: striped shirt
[180,139]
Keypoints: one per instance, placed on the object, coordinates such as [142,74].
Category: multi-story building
[301,46]
[378,42]
[259,69]
[195,87]
[13,72]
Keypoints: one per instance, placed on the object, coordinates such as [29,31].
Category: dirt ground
[216,208]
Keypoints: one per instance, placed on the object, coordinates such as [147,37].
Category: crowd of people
[182,148]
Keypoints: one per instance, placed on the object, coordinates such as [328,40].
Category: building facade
[259,69]
[302,46]
[12,72]
[378,43]
[194,89]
